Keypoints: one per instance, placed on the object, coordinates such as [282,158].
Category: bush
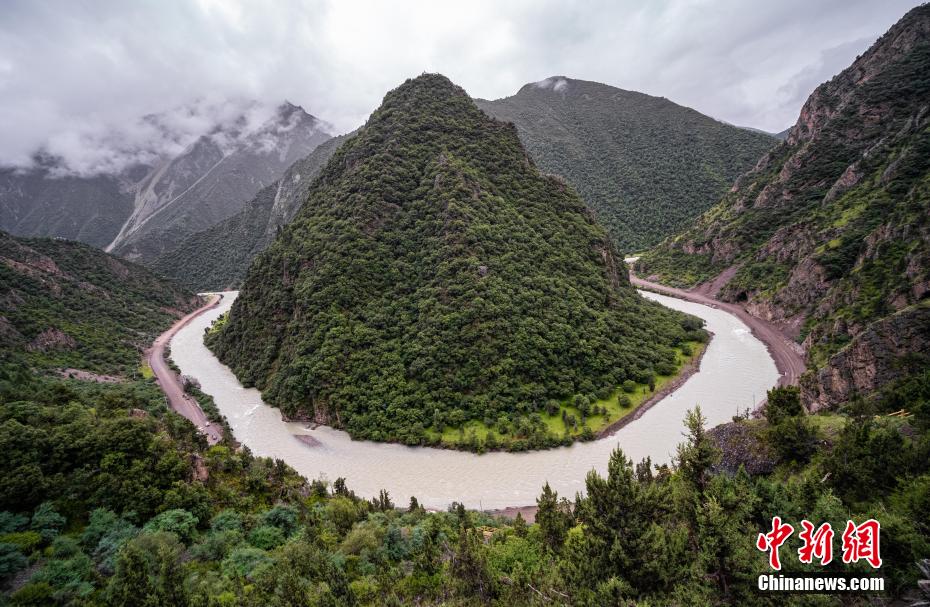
[266,537]
[179,522]
[11,561]
[25,541]
[47,521]
[782,403]
[794,439]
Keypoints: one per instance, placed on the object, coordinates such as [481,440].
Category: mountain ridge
[414,287]
[158,195]
[629,154]
[198,263]
[828,234]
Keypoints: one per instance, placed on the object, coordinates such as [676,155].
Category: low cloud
[76,78]
[92,147]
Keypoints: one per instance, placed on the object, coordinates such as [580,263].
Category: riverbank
[734,367]
[169,381]
[787,354]
[684,374]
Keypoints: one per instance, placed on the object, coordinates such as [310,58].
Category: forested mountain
[65,304]
[107,498]
[434,276]
[218,257]
[147,207]
[645,165]
[829,234]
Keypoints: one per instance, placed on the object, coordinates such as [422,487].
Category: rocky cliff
[217,258]
[882,352]
[829,232]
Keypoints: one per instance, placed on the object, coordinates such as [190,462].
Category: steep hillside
[67,305]
[88,209]
[434,276]
[218,257]
[830,232]
[213,180]
[645,165]
[146,208]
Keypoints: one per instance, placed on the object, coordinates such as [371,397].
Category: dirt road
[787,354]
[170,383]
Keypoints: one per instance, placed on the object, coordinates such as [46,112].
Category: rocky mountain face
[829,234]
[217,258]
[435,276]
[645,165]
[881,353]
[65,304]
[212,181]
[39,203]
[141,211]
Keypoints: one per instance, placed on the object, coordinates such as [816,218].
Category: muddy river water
[736,371]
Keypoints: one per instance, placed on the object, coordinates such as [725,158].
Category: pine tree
[551,519]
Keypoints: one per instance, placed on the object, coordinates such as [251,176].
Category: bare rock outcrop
[870,360]
[52,339]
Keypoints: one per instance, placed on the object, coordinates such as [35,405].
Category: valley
[565,343]
[735,369]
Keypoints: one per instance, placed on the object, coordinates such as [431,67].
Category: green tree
[148,573]
[552,520]
[782,403]
[698,454]
[47,521]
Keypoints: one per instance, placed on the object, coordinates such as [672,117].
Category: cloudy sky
[78,74]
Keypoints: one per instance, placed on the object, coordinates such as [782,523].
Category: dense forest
[437,289]
[645,165]
[68,305]
[435,277]
[831,231]
[107,498]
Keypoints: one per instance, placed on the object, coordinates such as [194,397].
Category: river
[736,371]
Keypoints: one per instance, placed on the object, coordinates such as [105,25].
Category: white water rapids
[735,372]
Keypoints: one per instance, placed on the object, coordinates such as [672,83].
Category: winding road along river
[735,373]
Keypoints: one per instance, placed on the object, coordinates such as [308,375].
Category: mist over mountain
[137,189]
[218,257]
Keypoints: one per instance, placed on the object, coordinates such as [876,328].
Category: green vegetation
[433,278]
[579,418]
[109,499]
[643,164]
[68,305]
[831,227]
[121,522]
[646,166]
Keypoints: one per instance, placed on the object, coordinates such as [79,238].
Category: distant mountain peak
[631,156]
[434,245]
[137,190]
[554,83]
